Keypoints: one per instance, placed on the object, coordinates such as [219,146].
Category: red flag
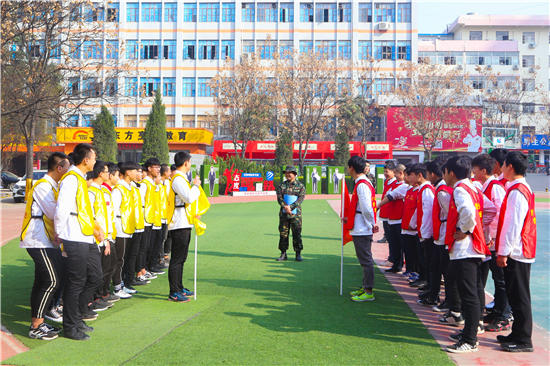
[344,207]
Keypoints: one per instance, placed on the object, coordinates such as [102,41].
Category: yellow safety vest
[48,224]
[84,215]
[171,204]
[127,214]
[100,210]
[163,201]
[112,216]
[152,204]
[138,209]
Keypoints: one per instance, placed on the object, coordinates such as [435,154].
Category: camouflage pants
[285,224]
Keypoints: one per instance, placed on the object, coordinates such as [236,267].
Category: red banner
[462,133]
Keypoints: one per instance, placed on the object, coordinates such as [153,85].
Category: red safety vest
[478,238]
[419,211]
[503,181]
[488,192]
[385,210]
[529,230]
[395,207]
[409,207]
[436,212]
[352,209]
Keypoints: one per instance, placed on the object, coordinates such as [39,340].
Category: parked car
[18,189]
[8,179]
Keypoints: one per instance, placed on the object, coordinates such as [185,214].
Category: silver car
[18,189]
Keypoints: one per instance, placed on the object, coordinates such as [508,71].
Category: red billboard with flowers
[462,132]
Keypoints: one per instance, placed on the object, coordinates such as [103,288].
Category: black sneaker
[462,347]
[441,308]
[139,282]
[100,305]
[299,257]
[53,329]
[427,301]
[54,315]
[283,257]
[111,298]
[43,332]
[505,339]
[157,270]
[83,327]
[89,315]
[76,335]
[517,347]
[451,318]
[417,283]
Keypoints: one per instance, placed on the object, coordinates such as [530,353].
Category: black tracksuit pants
[180,249]
[393,235]
[48,274]
[517,276]
[410,247]
[438,267]
[130,258]
[502,307]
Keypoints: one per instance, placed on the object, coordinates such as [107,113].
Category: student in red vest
[392,203]
[360,219]
[499,155]
[409,236]
[424,206]
[516,244]
[493,189]
[389,174]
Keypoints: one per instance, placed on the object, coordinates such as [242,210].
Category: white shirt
[443,200]
[412,223]
[397,193]
[43,203]
[66,223]
[467,220]
[427,199]
[510,243]
[184,195]
[117,201]
[497,195]
[390,181]
[364,221]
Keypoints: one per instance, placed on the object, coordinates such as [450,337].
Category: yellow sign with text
[135,135]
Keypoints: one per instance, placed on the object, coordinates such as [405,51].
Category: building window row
[91,87]
[528,38]
[472,58]
[148,86]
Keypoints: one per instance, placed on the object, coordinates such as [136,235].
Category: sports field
[251,310]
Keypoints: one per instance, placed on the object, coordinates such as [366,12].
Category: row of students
[459,218]
[90,225]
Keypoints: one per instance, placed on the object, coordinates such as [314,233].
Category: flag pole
[196,240]
[342,234]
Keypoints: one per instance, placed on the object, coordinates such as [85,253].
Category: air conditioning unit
[532,45]
[531,70]
[459,67]
[383,26]
[516,67]
[489,91]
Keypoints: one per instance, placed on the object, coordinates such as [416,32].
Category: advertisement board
[535,142]
[210,176]
[334,175]
[312,178]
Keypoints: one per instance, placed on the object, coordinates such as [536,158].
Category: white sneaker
[54,315]
[148,275]
[122,294]
[128,290]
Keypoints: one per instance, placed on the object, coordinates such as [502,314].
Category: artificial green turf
[250,308]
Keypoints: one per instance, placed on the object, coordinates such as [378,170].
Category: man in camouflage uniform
[290,214]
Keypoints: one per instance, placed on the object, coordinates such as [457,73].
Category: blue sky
[433,16]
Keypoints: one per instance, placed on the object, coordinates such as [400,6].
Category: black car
[8,179]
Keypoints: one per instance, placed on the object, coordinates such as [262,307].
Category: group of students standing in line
[455,218]
[96,229]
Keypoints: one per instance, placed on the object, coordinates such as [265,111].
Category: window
[306,46]
[228,49]
[37,49]
[528,38]
[228,12]
[150,12]
[384,12]
[529,108]
[478,58]
[365,13]
[131,49]
[169,49]
[326,49]
[384,50]
[365,51]
[111,87]
[209,12]
[287,12]
[74,49]
[72,121]
[266,12]
[189,50]
[94,12]
[344,12]
[73,86]
[132,12]
[344,86]
[55,49]
[383,86]
[285,49]
[267,49]
[528,85]
[306,12]
[75,11]
[168,87]
[476,35]
[502,36]
[131,87]
[111,50]
[404,50]
[326,12]
[189,12]
[171,12]
[150,49]
[248,47]
[404,13]
[204,87]
[477,83]
[170,121]
[248,13]
[188,87]
[130,120]
[427,58]
[91,87]
[208,50]
[528,61]
[149,86]
[87,120]
[344,50]
[92,50]
[112,12]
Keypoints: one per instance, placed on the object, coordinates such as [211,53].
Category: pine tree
[155,142]
[105,136]
[341,153]
[283,149]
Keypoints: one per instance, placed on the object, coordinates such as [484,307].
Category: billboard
[535,142]
[500,137]
[462,133]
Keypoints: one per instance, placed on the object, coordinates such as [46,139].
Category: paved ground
[539,182]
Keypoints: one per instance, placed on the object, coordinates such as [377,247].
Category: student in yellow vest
[99,175]
[166,175]
[39,239]
[75,226]
[125,226]
[139,204]
[153,220]
[182,192]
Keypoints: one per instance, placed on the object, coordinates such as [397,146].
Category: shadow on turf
[307,237]
[288,304]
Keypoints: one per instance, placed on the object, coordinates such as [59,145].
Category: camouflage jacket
[296,189]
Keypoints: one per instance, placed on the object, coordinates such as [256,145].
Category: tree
[433,97]
[284,149]
[306,88]
[341,152]
[105,136]
[244,106]
[155,142]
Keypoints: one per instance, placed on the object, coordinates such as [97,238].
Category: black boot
[298,257]
[283,257]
